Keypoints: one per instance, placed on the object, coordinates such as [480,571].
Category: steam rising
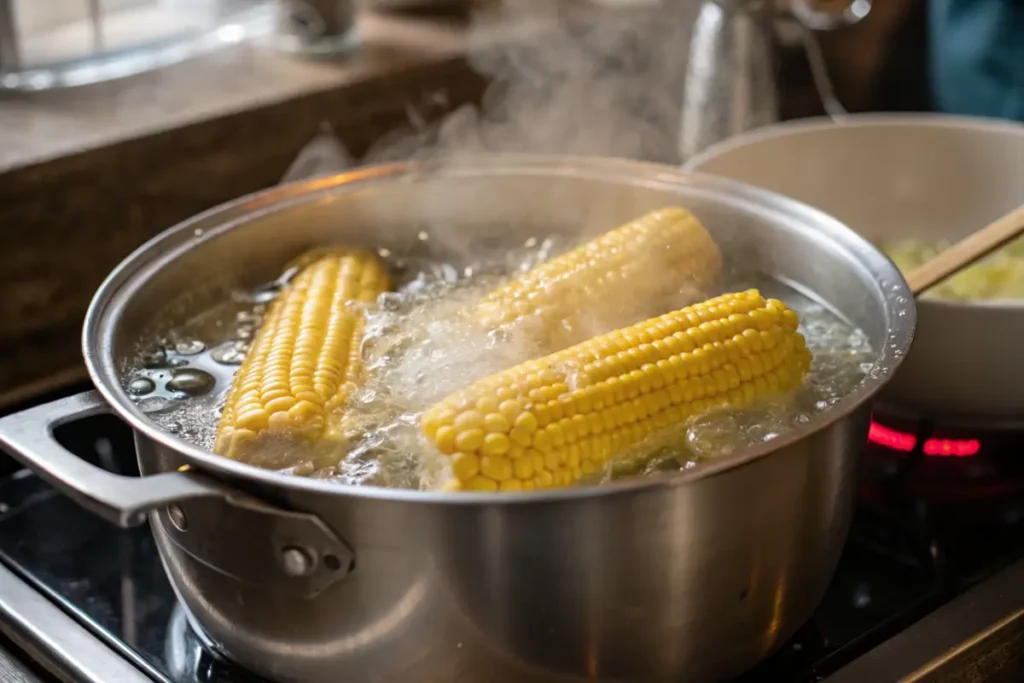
[578,78]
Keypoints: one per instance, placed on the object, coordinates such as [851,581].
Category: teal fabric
[977,57]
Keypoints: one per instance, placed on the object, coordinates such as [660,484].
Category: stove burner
[941,462]
[931,521]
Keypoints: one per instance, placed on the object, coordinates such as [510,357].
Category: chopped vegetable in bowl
[998,276]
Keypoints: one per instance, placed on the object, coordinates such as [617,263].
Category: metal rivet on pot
[177,517]
[296,562]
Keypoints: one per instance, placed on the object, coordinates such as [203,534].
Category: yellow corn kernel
[663,258]
[616,390]
[303,364]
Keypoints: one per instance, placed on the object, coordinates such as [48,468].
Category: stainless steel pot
[695,576]
[929,176]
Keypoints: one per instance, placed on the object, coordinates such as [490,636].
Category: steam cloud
[581,78]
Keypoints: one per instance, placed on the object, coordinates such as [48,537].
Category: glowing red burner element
[890,438]
[902,441]
[957,448]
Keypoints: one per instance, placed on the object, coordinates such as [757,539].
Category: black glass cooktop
[939,511]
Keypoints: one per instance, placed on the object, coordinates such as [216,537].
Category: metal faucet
[730,84]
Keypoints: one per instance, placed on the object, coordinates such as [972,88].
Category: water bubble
[449,274]
[712,435]
[498,336]
[413,287]
[189,347]
[546,248]
[229,353]
[391,302]
[247,318]
[140,386]
[191,382]
[178,362]
[154,358]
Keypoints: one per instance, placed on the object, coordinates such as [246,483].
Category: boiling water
[419,347]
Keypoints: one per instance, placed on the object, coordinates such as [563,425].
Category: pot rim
[98,329]
[924,120]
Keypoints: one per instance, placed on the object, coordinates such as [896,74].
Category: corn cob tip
[551,422]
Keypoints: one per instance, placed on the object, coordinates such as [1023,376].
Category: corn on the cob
[609,282]
[552,421]
[303,364]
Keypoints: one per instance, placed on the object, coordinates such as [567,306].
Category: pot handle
[265,543]
[28,436]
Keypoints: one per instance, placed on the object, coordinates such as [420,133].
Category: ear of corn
[303,363]
[552,421]
[610,281]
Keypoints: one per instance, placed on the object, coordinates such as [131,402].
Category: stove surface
[940,511]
